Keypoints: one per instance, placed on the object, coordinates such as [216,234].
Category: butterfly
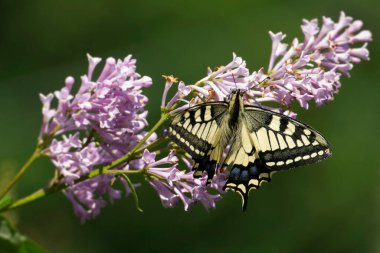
[261,142]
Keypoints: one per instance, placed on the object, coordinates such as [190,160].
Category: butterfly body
[260,142]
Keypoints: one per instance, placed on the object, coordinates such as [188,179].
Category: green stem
[104,170]
[130,154]
[36,195]
[14,180]
[134,193]
[123,172]
[151,145]
[55,188]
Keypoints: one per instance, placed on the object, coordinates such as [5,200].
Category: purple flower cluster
[308,70]
[311,70]
[102,122]
[105,119]
[98,124]
[174,185]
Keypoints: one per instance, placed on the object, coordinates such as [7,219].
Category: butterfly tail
[244,178]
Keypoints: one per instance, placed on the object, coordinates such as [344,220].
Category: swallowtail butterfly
[260,142]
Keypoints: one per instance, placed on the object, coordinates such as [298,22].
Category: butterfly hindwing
[244,178]
[247,170]
[268,142]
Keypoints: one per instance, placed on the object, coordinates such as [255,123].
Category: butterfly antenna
[233,77]
[257,84]
[260,82]
[201,98]
[264,80]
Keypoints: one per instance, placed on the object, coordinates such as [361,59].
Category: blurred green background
[333,206]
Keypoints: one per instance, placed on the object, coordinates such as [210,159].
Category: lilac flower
[305,71]
[174,185]
[311,70]
[106,116]
[88,197]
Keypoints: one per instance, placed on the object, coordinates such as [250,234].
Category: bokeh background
[333,206]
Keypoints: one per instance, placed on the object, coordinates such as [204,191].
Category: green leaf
[31,247]
[11,241]
[134,193]
[6,201]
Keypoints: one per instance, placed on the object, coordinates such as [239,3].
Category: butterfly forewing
[283,142]
[198,130]
[267,142]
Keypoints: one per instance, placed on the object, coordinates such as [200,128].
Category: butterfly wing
[268,142]
[197,130]
[284,142]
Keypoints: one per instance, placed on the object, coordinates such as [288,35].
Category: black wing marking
[268,142]
[247,170]
[284,142]
[196,130]
[193,129]
[244,178]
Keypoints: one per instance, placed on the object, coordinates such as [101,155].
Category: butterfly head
[235,96]
[235,93]
[239,92]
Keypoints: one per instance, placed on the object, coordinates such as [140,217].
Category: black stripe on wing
[285,142]
[193,129]
[244,178]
